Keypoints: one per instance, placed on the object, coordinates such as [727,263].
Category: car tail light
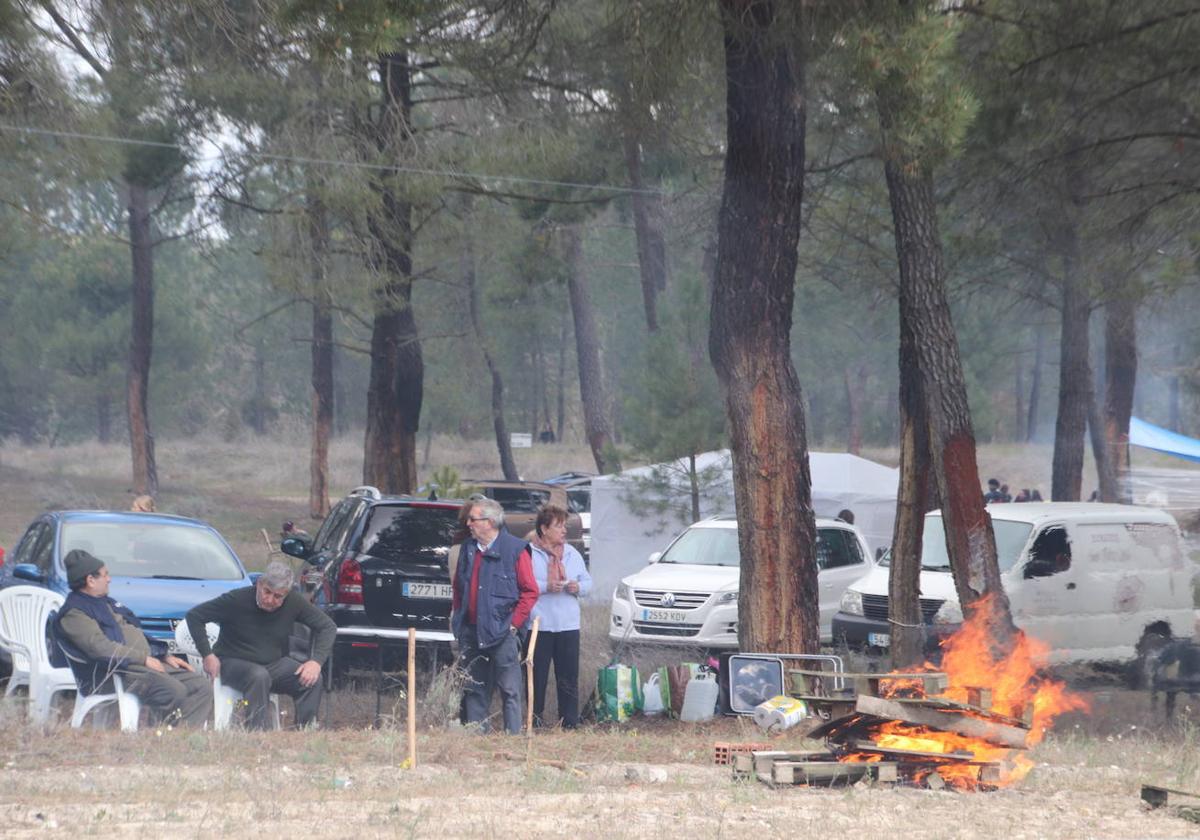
[350,582]
[1,555]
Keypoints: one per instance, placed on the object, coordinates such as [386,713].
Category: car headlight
[726,597]
[948,613]
[622,592]
[851,602]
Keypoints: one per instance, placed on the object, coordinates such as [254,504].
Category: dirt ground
[649,778]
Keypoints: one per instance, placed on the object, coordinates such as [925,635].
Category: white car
[688,594]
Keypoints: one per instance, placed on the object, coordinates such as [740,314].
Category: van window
[837,548]
[1050,555]
[398,532]
[1010,540]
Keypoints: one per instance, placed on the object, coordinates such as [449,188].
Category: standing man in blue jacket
[494,593]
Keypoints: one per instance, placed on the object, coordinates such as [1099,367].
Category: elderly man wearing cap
[102,637]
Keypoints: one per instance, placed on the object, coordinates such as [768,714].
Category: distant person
[494,591]
[993,493]
[562,579]
[143,504]
[101,637]
[1035,495]
[546,435]
[251,653]
[846,515]
[1023,495]
[1005,496]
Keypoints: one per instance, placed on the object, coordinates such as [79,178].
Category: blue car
[161,565]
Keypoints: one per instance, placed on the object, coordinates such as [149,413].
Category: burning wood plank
[999,734]
[941,703]
[955,757]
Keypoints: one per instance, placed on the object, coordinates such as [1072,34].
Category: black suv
[382,563]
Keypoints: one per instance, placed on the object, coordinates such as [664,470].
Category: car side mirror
[654,558]
[30,572]
[297,547]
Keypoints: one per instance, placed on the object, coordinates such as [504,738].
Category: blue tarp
[1159,439]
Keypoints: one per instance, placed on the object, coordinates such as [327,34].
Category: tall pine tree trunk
[751,318]
[397,375]
[912,503]
[1035,382]
[322,363]
[924,308]
[855,377]
[508,466]
[593,392]
[1120,377]
[1074,380]
[647,209]
[141,343]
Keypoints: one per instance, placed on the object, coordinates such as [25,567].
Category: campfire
[966,726]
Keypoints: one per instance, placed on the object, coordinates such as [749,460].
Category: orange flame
[971,659]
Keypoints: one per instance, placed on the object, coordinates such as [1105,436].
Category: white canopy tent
[626,529]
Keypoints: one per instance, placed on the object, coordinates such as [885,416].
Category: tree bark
[913,501]
[1074,381]
[751,317]
[397,375]
[593,392]
[322,363]
[141,343]
[924,308]
[508,466]
[1120,377]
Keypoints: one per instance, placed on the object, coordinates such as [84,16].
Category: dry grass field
[649,778]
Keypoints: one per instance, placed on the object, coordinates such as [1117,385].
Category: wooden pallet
[972,726]
[801,681]
[830,773]
[758,763]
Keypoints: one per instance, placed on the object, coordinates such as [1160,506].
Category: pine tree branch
[1150,23]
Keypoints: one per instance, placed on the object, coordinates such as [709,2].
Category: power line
[347,164]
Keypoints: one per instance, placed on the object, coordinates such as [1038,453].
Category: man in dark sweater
[251,653]
[101,637]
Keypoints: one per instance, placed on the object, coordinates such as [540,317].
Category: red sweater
[526,585]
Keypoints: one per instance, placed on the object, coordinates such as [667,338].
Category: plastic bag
[618,693]
[652,696]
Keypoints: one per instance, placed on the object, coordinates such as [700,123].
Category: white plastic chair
[24,612]
[129,708]
[224,697]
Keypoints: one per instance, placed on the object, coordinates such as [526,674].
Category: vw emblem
[668,599]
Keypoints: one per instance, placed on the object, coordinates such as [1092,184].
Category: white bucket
[780,712]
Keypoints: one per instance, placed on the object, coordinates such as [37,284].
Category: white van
[1087,579]
[688,594]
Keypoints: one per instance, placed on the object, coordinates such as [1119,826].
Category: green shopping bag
[618,693]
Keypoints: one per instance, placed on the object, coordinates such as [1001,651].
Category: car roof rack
[367,491]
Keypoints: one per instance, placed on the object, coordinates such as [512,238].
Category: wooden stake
[533,634]
[412,697]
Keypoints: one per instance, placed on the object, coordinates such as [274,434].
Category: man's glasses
[478,518]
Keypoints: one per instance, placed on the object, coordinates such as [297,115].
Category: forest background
[393,219]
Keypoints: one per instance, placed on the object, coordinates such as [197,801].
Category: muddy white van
[1087,579]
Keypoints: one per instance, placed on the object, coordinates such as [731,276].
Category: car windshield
[705,547]
[154,550]
[580,499]
[394,532]
[1010,539]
